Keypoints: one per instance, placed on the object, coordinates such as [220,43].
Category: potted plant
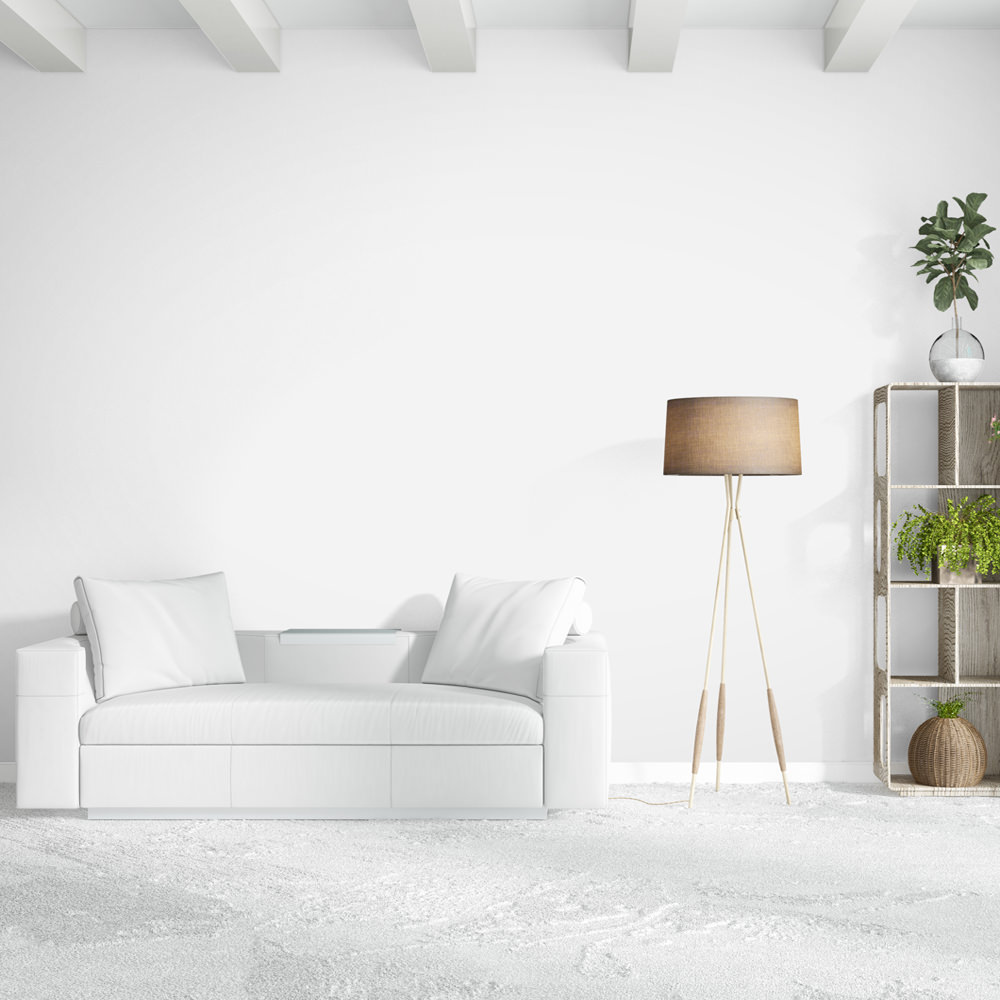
[953,247]
[953,546]
[947,751]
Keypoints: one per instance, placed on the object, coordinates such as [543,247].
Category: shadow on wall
[417,613]
[833,541]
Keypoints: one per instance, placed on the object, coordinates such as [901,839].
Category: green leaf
[975,200]
[976,233]
[943,294]
[942,210]
[972,297]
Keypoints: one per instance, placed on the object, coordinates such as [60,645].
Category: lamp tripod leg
[771,705]
[720,714]
[699,732]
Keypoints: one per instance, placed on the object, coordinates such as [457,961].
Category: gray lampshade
[732,435]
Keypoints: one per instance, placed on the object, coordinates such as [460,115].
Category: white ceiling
[533,13]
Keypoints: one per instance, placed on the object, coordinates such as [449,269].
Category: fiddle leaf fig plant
[953,247]
[965,531]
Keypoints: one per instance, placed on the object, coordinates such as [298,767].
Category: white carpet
[849,894]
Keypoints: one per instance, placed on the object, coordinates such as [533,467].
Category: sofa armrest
[53,689]
[575,706]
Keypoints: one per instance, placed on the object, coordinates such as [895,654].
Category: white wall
[344,330]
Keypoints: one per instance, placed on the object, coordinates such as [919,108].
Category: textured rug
[849,894]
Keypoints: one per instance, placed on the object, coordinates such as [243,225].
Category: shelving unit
[968,616]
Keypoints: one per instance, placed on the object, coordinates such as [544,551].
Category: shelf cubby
[967,622]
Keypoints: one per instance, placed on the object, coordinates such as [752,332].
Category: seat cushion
[313,714]
[438,714]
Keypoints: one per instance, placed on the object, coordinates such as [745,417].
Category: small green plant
[963,532]
[949,709]
[952,248]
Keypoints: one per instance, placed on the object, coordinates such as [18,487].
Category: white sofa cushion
[151,634]
[186,716]
[313,714]
[310,714]
[582,620]
[439,715]
[493,632]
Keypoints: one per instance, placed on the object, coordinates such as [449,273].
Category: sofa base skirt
[305,813]
[321,782]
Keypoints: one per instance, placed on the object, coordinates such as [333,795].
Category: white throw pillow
[493,632]
[152,634]
[582,620]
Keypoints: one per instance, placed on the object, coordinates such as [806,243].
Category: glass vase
[957,355]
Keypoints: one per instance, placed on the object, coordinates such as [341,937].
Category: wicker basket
[947,753]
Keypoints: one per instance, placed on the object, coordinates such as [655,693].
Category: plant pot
[954,577]
[957,355]
[947,753]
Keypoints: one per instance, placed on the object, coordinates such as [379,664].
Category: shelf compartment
[906,786]
[945,486]
[928,681]
[919,680]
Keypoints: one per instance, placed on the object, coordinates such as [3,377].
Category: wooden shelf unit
[968,617]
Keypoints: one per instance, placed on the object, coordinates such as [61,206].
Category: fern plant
[949,709]
[965,531]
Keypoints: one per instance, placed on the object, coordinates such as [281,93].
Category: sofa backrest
[334,657]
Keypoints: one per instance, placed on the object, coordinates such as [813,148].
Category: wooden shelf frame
[968,616]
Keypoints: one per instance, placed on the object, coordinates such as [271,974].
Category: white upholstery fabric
[582,620]
[299,714]
[76,622]
[193,777]
[187,716]
[466,777]
[151,634]
[493,632]
[575,693]
[434,714]
[312,713]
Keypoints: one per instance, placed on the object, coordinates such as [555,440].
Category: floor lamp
[732,436]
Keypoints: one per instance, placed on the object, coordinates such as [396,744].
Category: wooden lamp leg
[699,732]
[720,715]
[771,705]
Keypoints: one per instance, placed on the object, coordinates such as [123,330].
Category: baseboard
[637,773]
[629,773]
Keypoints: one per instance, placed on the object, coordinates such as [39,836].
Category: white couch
[336,727]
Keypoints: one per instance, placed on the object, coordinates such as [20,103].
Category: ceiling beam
[857,31]
[447,30]
[244,31]
[44,34]
[654,29]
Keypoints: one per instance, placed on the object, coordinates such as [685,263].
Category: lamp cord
[632,798]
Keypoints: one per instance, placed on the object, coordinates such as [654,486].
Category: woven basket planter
[947,753]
